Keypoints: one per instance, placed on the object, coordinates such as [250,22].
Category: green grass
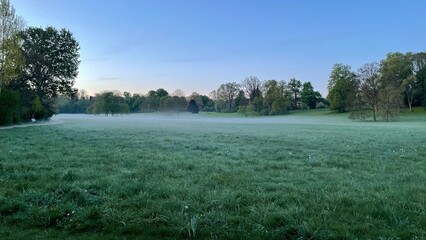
[300,176]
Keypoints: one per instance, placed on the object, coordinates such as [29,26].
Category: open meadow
[305,175]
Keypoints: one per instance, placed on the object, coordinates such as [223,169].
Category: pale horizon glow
[195,46]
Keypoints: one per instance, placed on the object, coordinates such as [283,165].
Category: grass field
[307,175]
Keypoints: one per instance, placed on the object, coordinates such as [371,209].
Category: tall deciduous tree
[419,70]
[251,86]
[294,86]
[394,70]
[410,87]
[51,61]
[11,58]
[369,85]
[342,88]
[309,96]
[173,104]
[276,99]
[228,92]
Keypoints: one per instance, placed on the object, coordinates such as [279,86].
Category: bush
[9,107]
[193,107]
[40,112]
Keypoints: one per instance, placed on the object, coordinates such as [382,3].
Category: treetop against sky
[197,45]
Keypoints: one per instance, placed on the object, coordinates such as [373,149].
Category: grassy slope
[302,175]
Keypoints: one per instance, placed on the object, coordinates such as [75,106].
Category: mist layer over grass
[308,176]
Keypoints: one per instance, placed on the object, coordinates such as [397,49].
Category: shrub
[9,107]
[193,107]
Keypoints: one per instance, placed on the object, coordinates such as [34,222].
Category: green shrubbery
[9,107]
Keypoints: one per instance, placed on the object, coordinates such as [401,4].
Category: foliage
[419,69]
[309,96]
[241,99]
[153,99]
[411,88]
[251,86]
[9,107]
[193,106]
[109,103]
[173,104]
[76,104]
[51,61]
[389,103]
[294,86]
[39,111]
[227,93]
[369,86]
[276,100]
[11,58]
[204,103]
[342,87]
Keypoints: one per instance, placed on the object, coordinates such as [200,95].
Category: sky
[196,45]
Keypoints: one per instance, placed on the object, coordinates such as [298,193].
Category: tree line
[36,66]
[379,90]
[251,97]
[269,97]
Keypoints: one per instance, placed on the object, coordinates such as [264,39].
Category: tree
[154,99]
[240,100]
[197,98]
[51,64]
[309,96]
[342,88]
[251,86]
[11,58]
[396,68]
[161,93]
[39,112]
[173,104]
[389,102]
[193,106]
[52,59]
[178,93]
[276,100]
[9,107]
[410,88]
[207,104]
[109,103]
[294,86]
[368,77]
[228,92]
[419,70]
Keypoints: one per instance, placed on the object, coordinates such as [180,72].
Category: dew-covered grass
[307,175]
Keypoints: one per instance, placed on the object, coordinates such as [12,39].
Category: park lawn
[300,176]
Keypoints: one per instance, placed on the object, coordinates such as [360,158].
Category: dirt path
[50,122]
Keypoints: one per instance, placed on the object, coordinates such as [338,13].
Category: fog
[165,118]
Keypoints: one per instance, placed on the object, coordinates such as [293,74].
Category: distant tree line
[113,102]
[251,97]
[270,97]
[36,66]
[379,90]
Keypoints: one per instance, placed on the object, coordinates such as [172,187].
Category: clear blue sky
[137,45]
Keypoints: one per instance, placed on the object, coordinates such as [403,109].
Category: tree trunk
[374,112]
[409,100]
